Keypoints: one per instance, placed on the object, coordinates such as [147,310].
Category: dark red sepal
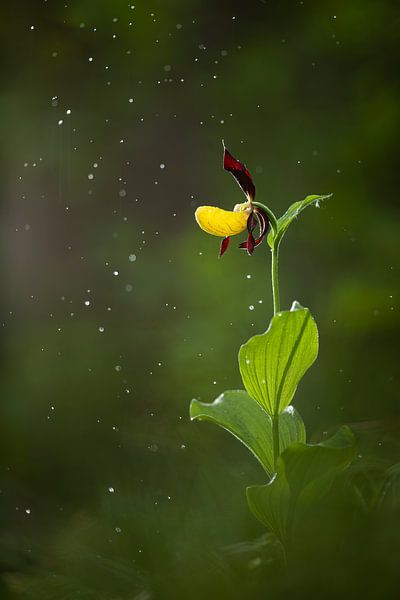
[240,173]
[224,245]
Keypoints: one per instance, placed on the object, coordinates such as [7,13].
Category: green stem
[275,296]
[275,277]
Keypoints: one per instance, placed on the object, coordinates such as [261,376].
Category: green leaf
[305,474]
[239,414]
[292,213]
[273,363]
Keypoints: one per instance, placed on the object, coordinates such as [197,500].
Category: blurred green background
[115,311]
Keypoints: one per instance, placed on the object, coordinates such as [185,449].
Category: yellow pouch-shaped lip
[221,222]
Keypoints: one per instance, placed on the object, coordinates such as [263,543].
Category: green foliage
[273,363]
[304,475]
[390,490]
[239,414]
[291,214]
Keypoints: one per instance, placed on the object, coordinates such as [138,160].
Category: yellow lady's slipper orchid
[225,223]
[222,223]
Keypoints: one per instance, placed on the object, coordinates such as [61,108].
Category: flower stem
[275,278]
[275,297]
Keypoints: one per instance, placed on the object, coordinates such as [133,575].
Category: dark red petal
[251,225]
[250,244]
[256,217]
[224,246]
[263,222]
[240,173]
[251,222]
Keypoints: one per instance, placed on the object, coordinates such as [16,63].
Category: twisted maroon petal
[256,217]
[251,225]
[240,173]
[224,245]
[263,222]
[249,244]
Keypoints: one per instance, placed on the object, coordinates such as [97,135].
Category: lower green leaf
[242,416]
[305,474]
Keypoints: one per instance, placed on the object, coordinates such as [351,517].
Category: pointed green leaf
[292,213]
[273,363]
[305,474]
[239,414]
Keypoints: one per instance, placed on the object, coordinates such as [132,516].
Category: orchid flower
[247,215]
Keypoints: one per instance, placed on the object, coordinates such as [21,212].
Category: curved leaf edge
[197,412]
[343,439]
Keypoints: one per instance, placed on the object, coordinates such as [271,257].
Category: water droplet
[251,307]
[132,257]
[118,368]
[111,490]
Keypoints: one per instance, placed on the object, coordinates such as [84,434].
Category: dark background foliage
[107,490]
